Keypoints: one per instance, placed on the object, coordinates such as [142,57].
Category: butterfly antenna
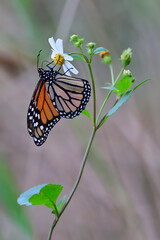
[38,58]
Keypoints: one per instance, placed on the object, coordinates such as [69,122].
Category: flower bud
[126,57]
[107,60]
[79,42]
[106,57]
[91,45]
[74,38]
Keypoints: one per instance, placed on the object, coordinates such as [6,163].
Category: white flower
[60,57]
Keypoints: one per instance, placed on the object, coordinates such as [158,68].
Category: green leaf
[124,84]
[107,83]
[85,112]
[122,100]
[24,197]
[109,88]
[78,57]
[45,194]
[99,50]
[141,83]
[60,203]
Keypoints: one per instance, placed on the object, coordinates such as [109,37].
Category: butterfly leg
[59,68]
[49,66]
[67,70]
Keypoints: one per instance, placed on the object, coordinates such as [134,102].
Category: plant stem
[94,93]
[76,183]
[80,53]
[120,73]
[109,94]
[104,103]
[51,228]
[112,76]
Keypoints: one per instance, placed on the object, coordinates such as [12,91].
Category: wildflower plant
[121,87]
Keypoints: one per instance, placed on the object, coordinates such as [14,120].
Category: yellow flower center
[59,59]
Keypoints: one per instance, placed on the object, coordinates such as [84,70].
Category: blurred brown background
[119,195]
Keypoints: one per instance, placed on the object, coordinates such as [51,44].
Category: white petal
[67,57]
[71,67]
[53,54]
[52,43]
[66,71]
[59,45]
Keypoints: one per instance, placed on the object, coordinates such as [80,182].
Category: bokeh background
[119,194]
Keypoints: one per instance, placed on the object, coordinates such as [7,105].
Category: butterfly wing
[42,115]
[69,95]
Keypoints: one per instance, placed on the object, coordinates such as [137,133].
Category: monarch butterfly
[56,95]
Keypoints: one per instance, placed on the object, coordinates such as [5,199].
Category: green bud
[126,57]
[107,60]
[74,38]
[91,45]
[79,42]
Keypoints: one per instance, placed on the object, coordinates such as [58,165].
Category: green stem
[56,210]
[93,86]
[52,227]
[94,93]
[104,103]
[104,117]
[120,73]
[76,184]
[85,57]
[112,76]
[79,53]
[109,94]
